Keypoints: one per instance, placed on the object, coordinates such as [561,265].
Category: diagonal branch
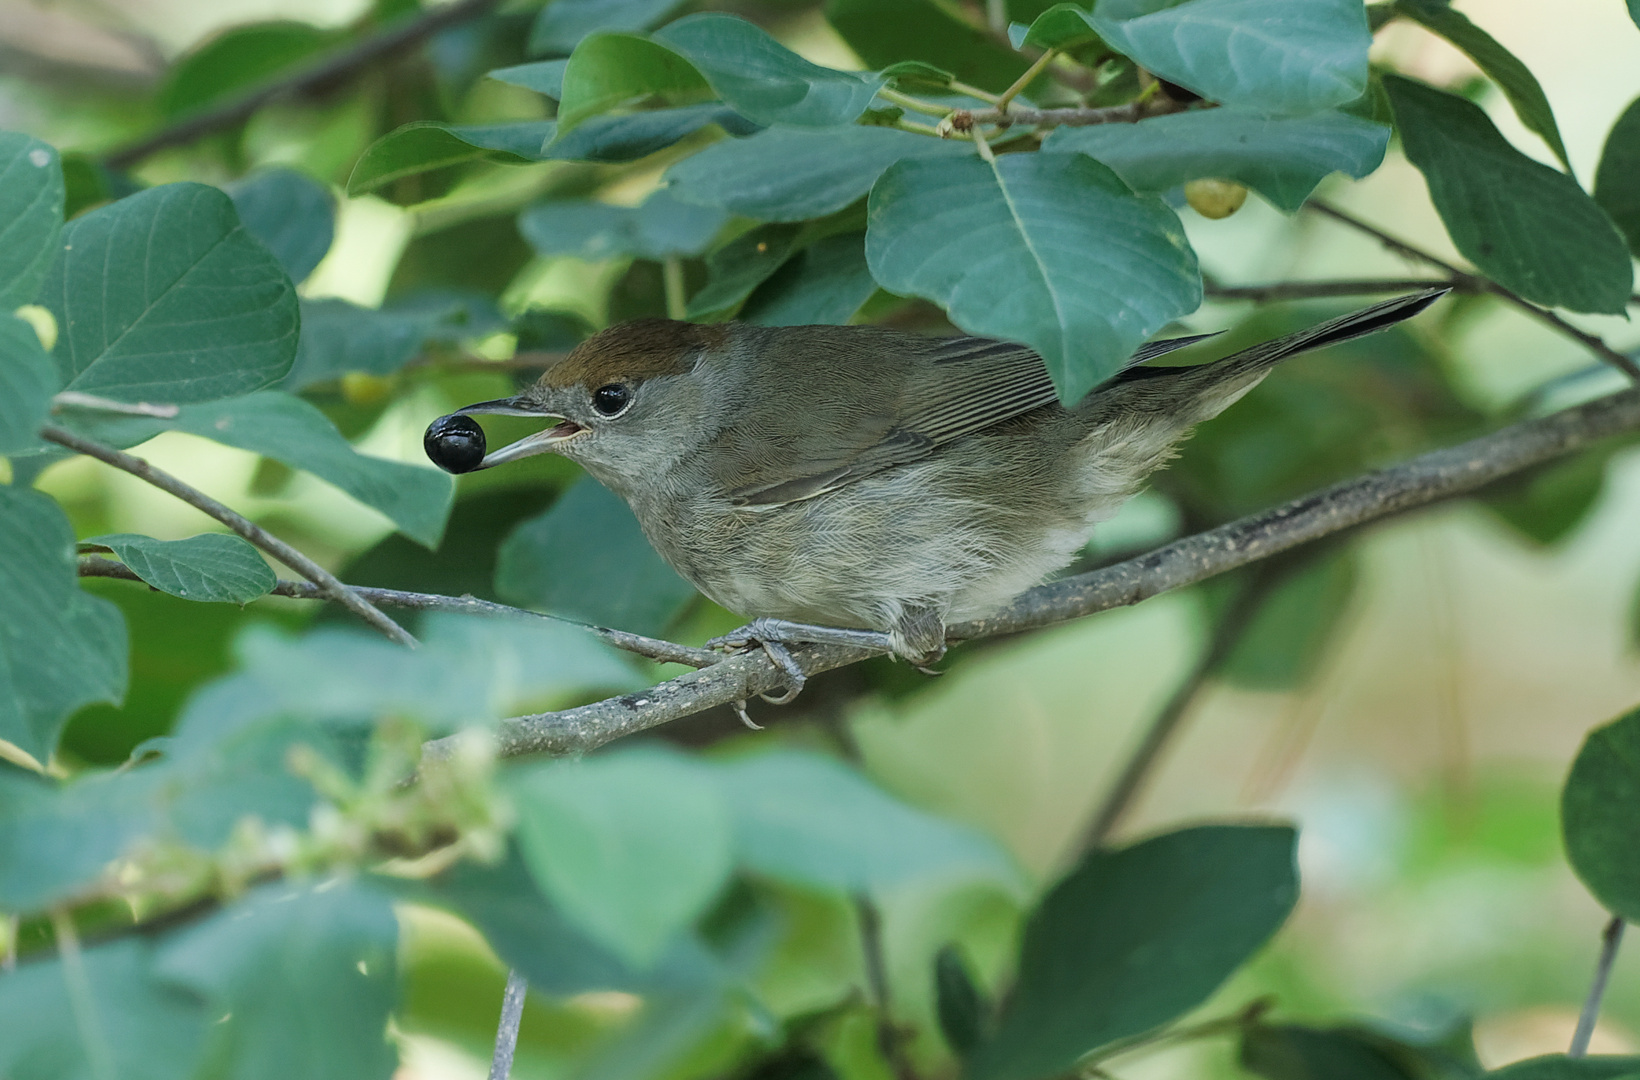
[323,579]
[1464,281]
[1428,479]
[397,38]
[1320,290]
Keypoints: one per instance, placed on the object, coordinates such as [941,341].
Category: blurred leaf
[632,845]
[1060,27]
[586,559]
[1281,158]
[885,32]
[1547,505]
[1600,814]
[824,284]
[291,213]
[57,837]
[670,1027]
[811,820]
[562,24]
[1617,180]
[916,75]
[26,385]
[661,228]
[338,337]
[308,978]
[60,648]
[1283,644]
[1514,78]
[740,266]
[31,215]
[166,296]
[764,80]
[207,567]
[236,60]
[1293,1052]
[960,1006]
[288,429]
[793,174]
[609,71]
[1134,938]
[147,1030]
[425,145]
[1048,249]
[1528,227]
[639,134]
[543,76]
[1264,55]
[1561,1067]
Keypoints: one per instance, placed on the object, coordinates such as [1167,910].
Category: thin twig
[1025,80]
[257,535]
[1142,762]
[889,1041]
[1130,113]
[913,104]
[1316,290]
[665,652]
[677,298]
[343,65]
[1428,479]
[506,1032]
[1610,939]
[1465,281]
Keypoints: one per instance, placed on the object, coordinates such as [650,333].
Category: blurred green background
[1447,666]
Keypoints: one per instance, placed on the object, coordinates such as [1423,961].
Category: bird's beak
[541,442]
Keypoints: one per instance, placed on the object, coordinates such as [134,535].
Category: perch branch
[506,1032]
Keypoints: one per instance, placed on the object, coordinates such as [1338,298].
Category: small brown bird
[861,485]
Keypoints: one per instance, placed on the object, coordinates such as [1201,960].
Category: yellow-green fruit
[1215,198]
[360,388]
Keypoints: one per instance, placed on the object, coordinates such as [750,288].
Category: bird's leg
[919,637]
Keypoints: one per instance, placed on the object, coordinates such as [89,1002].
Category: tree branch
[664,652]
[395,39]
[1430,478]
[506,1032]
[963,120]
[1464,281]
[322,578]
[1610,939]
[1315,290]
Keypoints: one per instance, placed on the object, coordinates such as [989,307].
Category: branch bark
[1428,479]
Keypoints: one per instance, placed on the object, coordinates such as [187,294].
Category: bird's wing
[960,386]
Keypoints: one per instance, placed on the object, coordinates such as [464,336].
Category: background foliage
[208,861]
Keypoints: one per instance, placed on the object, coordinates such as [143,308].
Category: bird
[862,485]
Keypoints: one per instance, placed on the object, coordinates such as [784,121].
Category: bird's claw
[745,638]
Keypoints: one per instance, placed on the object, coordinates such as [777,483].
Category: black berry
[454,443]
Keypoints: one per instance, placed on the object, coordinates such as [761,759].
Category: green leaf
[144,1030]
[1526,226]
[31,214]
[26,385]
[586,559]
[764,80]
[286,959]
[425,145]
[916,75]
[824,284]
[237,60]
[1516,81]
[207,567]
[563,24]
[1281,158]
[1284,642]
[339,337]
[637,135]
[889,32]
[793,174]
[1600,814]
[1548,505]
[661,228]
[1617,179]
[60,647]
[811,820]
[1269,56]
[543,76]
[1561,1067]
[1062,26]
[609,71]
[1049,249]
[632,846]
[740,266]
[286,428]
[1134,938]
[292,214]
[166,296]
[57,838]
[963,1012]
[1292,1052]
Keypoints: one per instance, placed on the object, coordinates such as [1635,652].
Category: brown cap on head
[634,351]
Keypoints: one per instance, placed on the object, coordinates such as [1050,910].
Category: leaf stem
[1610,939]
[73,399]
[506,1032]
[677,300]
[81,1000]
[914,104]
[973,91]
[1025,80]
[1476,283]
[257,535]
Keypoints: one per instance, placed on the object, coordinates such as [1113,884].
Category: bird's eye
[610,400]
